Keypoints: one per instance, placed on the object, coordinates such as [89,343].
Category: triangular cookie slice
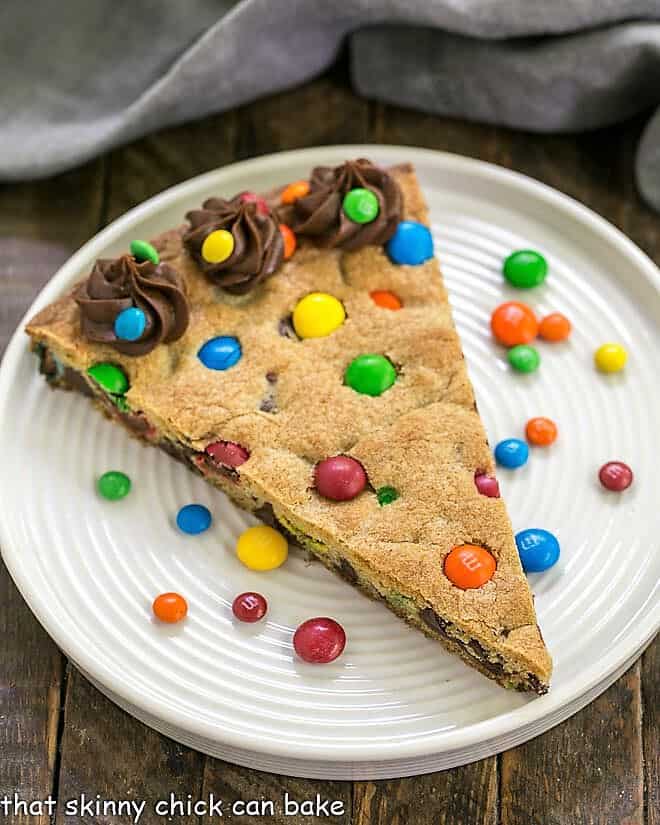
[214,361]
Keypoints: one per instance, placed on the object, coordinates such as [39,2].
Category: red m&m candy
[514,323]
[228,453]
[249,607]
[340,478]
[252,197]
[615,476]
[319,640]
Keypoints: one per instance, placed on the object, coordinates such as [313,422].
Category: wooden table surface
[59,735]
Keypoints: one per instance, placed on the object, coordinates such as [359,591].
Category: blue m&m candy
[220,353]
[512,452]
[538,549]
[193,519]
[130,324]
[412,244]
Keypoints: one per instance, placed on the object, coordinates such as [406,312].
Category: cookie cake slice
[297,350]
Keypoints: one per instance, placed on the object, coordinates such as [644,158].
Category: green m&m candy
[525,268]
[386,495]
[361,205]
[143,251]
[524,358]
[114,485]
[370,374]
[110,377]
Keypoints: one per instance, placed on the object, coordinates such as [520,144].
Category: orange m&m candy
[386,299]
[170,608]
[289,238]
[513,323]
[555,327]
[469,566]
[293,191]
[541,431]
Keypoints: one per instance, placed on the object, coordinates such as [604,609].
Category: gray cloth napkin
[80,76]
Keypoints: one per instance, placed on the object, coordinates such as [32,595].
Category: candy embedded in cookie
[317,315]
[235,242]
[227,453]
[411,244]
[370,374]
[111,378]
[133,305]
[339,478]
[349,206]
[469,566]
[220,353]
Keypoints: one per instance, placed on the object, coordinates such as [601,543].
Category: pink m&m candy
[487,485]
[340,478]
[320,640]
[615,476]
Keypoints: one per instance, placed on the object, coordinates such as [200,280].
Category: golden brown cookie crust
[423,436]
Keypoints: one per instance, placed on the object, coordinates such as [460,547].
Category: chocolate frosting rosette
[119,284]
[323,215]
[236,243]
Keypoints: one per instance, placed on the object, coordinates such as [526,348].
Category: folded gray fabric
[79,77]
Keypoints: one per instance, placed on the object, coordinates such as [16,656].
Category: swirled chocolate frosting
[258,245]
[119,283]
[320,215]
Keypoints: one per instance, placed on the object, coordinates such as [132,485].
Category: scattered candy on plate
[541,431]
[524,358]
[513,323]
[339,478]
[538,549]
[555,327]
[525,268]
[170,608]
[249,607]
[469,566]
[320,640]
[262,548]
[615,476]
[610,357]
[511,453]
[193,519]
[317,315]
[114,485]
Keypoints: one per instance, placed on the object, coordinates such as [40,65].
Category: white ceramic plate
[394,703]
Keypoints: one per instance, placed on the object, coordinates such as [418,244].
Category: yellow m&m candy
[610,357]
[217,246]
[317,314]
[262,548]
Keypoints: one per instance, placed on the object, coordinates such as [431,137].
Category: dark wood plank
[144,168]
[586,771]
[238,786]
[462,796]
[107,752]
[651,730]
[40,225]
